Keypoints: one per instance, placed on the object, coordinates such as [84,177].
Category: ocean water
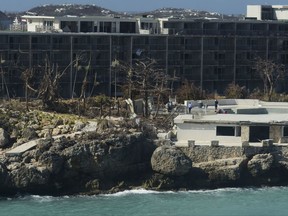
[230,201]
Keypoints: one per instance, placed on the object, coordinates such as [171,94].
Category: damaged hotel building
[209,53]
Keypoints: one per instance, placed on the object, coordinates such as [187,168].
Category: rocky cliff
[116,155]
[93,163]
[212,167]
[89,163]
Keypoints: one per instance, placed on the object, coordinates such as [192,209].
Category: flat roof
[233,118]
[276,113]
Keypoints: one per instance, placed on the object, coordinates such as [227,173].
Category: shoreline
[116,155]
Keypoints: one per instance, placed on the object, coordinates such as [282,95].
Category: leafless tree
[84,85]
[3,82]
[48,90]
[145,78]
[189,91]
[27,75]
[270,73]
[235,91]
[150,80]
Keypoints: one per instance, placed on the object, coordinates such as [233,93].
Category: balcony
[165,31]
[41,28]
[18,27]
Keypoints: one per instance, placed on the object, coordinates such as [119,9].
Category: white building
[246,122]
[92,24]
[267,12]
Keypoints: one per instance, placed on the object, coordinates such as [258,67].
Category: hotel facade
[210,53]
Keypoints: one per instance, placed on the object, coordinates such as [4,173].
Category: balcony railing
[18,27]
[41,28]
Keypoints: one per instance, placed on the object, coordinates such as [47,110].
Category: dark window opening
[127,27]
[285,131]
[68,26]
[238,131]
[86,26]
[258,133]
[106,27]
[225,131]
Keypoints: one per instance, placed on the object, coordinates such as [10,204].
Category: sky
[221,6]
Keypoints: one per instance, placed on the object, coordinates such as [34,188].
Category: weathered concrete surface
[22,148]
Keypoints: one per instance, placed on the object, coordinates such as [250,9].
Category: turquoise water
[233,201]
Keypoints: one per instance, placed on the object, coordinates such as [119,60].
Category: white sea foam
[137,191]
[43,199]
[218,190]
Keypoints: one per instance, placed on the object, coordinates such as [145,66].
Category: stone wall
[199,154]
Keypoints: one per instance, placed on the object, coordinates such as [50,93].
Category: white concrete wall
[203,133]
[254,11]
[56,24]
[33,21]
[31,26]
[281,13]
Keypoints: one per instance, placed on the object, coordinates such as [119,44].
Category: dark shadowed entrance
[258,133]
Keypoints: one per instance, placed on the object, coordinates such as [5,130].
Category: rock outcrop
[4,138]
[260,164]
[220,166]
[71,158]
[224,170]
[170,161]
[67,165]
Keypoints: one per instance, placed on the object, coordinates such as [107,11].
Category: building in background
[267,12]
[210,53]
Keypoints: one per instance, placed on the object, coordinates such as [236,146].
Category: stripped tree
[270,73]
[48,90]
[27,76]
[149,80]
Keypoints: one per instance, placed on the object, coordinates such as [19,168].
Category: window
[225,131]
[285,131]
[258,133]
[48,23]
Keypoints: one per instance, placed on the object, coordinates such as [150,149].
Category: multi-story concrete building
[267,12]
[209,53]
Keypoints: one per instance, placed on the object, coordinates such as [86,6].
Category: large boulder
[29,133]
[78,159]
[4,177]
[169,160]
[30,177]
[53,162]
[4,138]
[260,164]
[222,170]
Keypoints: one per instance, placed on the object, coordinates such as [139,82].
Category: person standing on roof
[216,105]
[189,107]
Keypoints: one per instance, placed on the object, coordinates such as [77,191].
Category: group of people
[215,104]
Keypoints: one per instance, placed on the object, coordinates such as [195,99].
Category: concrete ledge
[191,143]
[267,143]
[182,145]
[245,143]
[214,143]
[22,148]
[283,140]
